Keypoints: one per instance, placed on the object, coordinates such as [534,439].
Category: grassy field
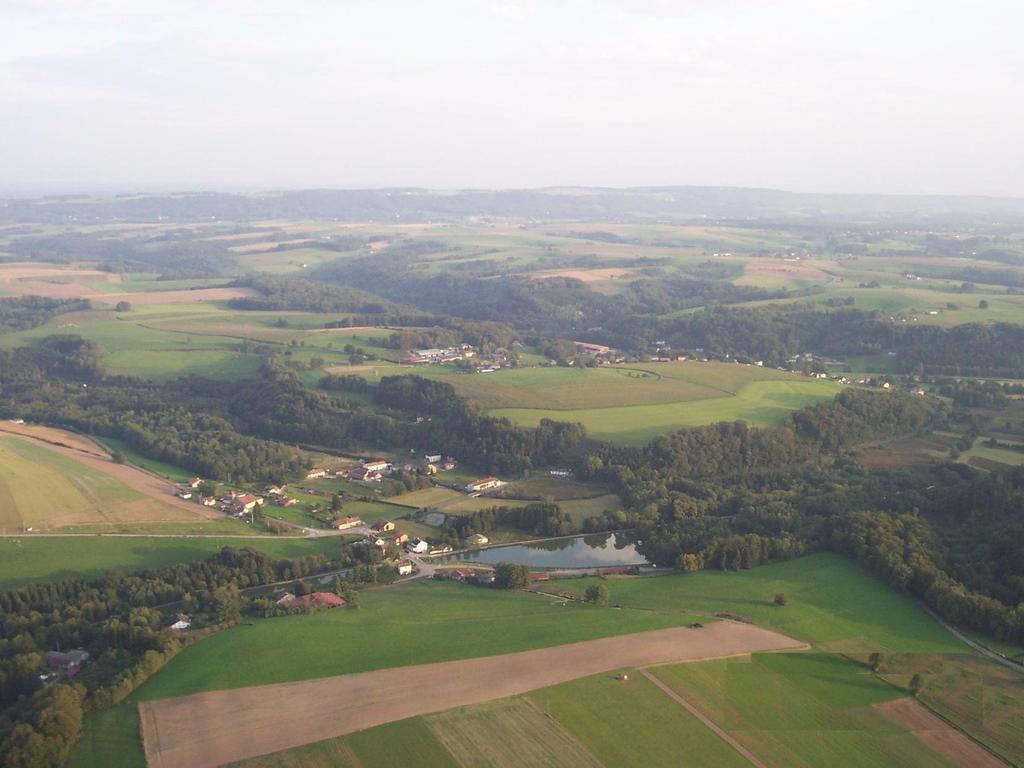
[408,742]
[761,403]
[801,709]
[110,738]
[28,559]
[171,472]
[416,623]
[834,604]
[632,723]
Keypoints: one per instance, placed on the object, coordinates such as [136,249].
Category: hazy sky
[810,95]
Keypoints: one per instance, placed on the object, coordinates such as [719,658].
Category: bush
[780,598]
[597,594]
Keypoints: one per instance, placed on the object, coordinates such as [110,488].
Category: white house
[181,622]
[432,458]
[417,546]
[404,568]
[485,484]
[376,465]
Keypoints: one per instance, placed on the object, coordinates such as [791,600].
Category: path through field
[210,729]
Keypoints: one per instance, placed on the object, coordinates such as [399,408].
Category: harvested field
[85,486]
[937,734]
[210,729]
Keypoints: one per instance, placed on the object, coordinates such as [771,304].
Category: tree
[916,683]
[597,594]
[983,304]
[690,562]
[123,306]
[336,503]
[780,598]
[875,661]
[117,457]
[511,576]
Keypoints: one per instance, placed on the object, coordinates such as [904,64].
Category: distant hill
[556,203]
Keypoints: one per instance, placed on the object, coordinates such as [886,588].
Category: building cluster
[446,355]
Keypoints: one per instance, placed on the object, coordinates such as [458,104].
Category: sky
[884,96]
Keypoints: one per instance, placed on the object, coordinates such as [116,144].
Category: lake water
[592,551]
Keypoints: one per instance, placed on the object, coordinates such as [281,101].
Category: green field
[760,403]
[171,472]
[834,604]
[801,709]
[416,623]
[110,738]
[32,559]
[632,723]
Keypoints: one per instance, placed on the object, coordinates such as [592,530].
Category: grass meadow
[760,403]
[33,559]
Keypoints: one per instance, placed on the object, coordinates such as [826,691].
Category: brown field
[161,505]
[210,729]
[935,733]
[25,279]
[776,269]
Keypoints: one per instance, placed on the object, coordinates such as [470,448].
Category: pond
[593,551]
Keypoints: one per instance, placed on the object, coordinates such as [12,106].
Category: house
[449,464]
[597,349]
[319,600]
[343,523]
[185,495]
[244,503]
[195,482]
[209,501]
[377,465]
[69,663]
[286,599]
[476,540]
[399,539]
[384,526]
[404,568]
[432,458]
[315,473]
[486,484]
[364,475]
[560,472]
[180,622]
[377,541]
[540,576]
[418,546]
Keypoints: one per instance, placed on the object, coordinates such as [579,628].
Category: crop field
[760,403]
[31,559]
[48,488]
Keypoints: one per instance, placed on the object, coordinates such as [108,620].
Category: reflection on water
[592,551]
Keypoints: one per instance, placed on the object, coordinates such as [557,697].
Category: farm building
[432,458]
[364,475]
[377,465]
[315,473]
[418,546]
[384,526]
[476,540]
[486,484]
[343,523]
[286,599]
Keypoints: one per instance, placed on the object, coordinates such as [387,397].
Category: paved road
[974,644]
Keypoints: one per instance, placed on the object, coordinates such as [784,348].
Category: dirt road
[210,729]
